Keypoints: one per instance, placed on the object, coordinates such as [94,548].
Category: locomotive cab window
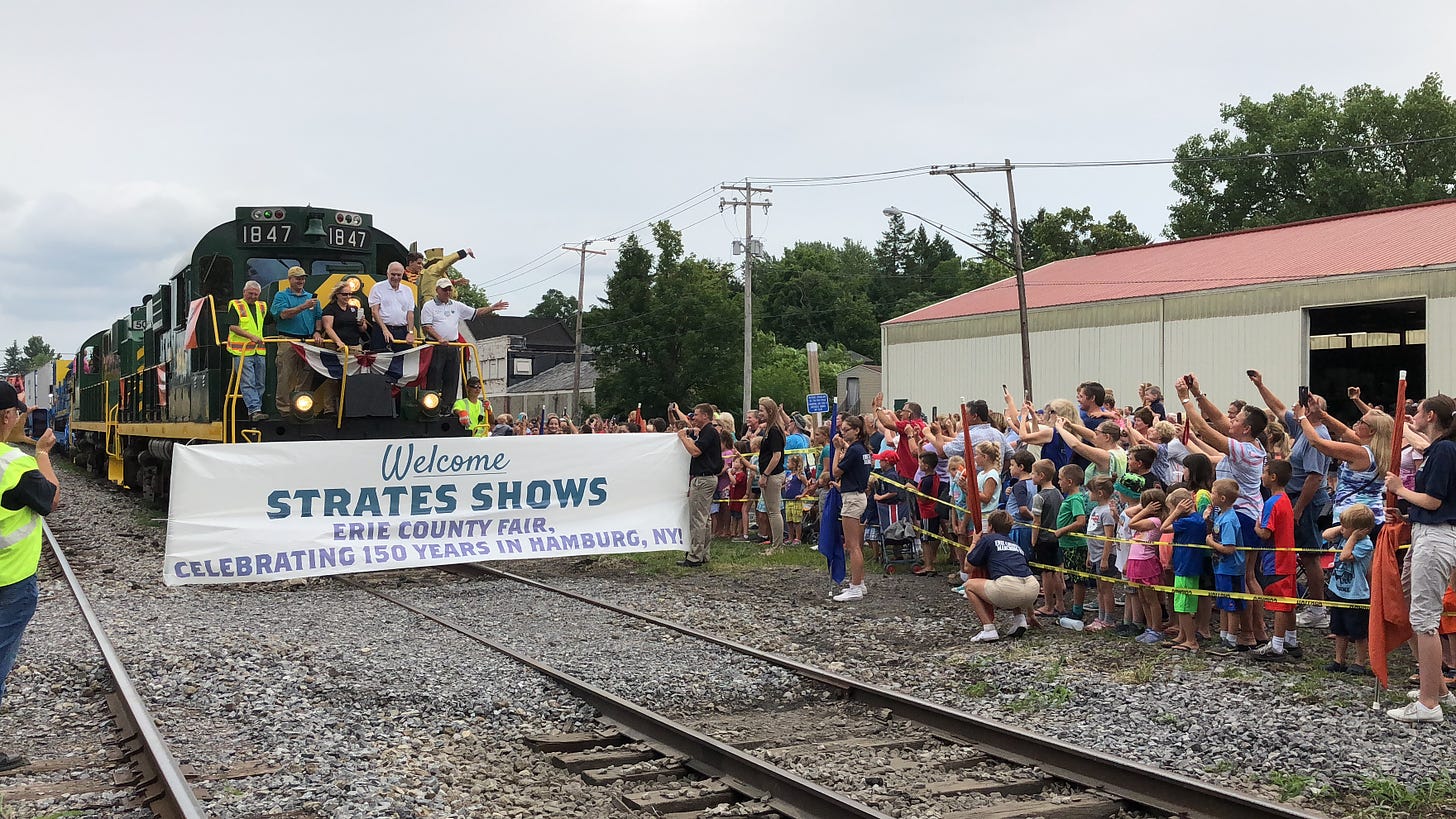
[267,271]
[217,279]
[326,267]
[181,300]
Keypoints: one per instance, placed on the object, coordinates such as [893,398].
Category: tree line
[670,326]
[19,360]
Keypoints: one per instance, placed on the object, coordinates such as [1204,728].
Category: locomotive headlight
[302,403]
[430,401]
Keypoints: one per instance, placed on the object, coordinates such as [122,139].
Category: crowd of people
[1266,516]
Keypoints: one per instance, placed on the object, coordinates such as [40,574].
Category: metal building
[1334,302]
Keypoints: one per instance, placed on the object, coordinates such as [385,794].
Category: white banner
[244,513]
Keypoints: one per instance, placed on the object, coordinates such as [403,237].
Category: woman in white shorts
[1432,559]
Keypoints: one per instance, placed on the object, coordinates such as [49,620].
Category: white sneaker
[852,592]
[986,636]
[1415,712]
[1313,617]
[1447,699]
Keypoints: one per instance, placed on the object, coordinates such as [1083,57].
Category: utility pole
[580,298]
[953,171]
[749,248]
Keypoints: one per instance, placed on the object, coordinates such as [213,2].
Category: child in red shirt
[1276,529]
[737,497]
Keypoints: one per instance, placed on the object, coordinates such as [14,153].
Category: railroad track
[140,761]
[884,746]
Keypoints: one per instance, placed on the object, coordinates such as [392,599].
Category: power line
[703,195]
[833,184]
[1119,163]
[503,279]
[790,180]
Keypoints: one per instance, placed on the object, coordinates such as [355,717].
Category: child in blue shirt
[1350,583]
[1190,557]
[1227,541]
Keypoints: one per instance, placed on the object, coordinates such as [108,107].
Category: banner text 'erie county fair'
[244,513]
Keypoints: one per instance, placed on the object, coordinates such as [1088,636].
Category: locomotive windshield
[267,271]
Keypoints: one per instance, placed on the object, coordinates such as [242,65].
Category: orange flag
[1389,611]
[1389,615]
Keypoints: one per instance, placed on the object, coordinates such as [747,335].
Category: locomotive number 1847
[265,234]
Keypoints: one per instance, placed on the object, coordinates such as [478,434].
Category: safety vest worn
[475,411]
[20,529]
[248,322]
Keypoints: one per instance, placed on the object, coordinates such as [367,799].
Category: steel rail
[175,797]
[786,792]
[1142,784]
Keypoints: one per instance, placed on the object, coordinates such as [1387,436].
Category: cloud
[80,260]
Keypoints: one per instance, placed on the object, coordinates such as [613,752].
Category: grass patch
[1289,785]
[1167,718]
[1053,670]
[1140,674]
[1388,798]
[1041,699]
[978,690]
[1308,687]
[1221,767]
[150,517]
[728,557]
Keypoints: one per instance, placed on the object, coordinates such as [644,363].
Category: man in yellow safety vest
[28,490]
[245,342]
[473,410]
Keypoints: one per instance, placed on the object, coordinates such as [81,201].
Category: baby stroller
[810,524]
[900,549]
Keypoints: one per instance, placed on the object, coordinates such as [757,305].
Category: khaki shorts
[852,505]
[1427,573]
[1012,592]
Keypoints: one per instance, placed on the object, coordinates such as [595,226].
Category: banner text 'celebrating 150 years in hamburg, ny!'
[244,513]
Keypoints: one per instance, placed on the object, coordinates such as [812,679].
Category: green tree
[38,352]
[15,361]
[1219,193]
[465,290]
[782,372]
[892,259]
[817,292]
[1050,236]
[665,330]
[555,304]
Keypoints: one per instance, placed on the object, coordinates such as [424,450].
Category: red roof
[1409,236]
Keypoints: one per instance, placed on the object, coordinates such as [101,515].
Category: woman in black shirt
[852,470]
[344,318]
[771,471]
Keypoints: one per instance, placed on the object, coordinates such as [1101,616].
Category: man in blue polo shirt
[298,315]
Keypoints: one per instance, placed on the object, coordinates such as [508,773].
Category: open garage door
[1366,345]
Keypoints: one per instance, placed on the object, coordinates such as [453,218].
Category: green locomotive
[161,374]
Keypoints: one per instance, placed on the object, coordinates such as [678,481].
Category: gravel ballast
[1292,731]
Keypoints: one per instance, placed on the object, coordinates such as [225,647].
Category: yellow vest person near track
[473,409]
[28,490]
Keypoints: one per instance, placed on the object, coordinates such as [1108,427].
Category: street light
[1014,267]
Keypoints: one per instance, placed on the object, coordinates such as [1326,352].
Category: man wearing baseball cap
[440,318]
[28,491]
[473,411]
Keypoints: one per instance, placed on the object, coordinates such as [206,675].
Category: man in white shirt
[441,317]
[393,306]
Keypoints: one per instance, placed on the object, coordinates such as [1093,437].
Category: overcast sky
[515,127]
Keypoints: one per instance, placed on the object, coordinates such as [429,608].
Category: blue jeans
[251,384]
[17,605]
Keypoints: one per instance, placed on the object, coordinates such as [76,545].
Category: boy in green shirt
[1071,531]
